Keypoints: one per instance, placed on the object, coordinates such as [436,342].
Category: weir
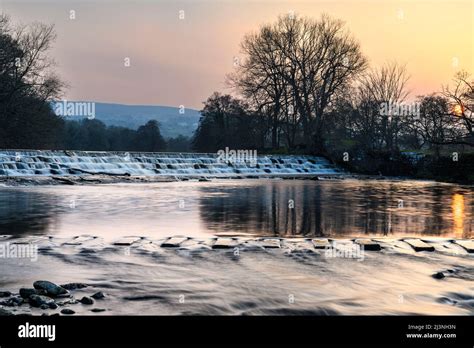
[46,163]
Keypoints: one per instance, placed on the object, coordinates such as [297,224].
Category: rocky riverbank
[52,299]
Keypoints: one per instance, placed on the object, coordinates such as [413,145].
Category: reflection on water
[266,207]
[458,215]
[329,208]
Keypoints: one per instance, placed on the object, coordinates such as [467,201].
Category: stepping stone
[225,243]
[450,248]
[419,245]
[173,242]
[435,240]
[82,239]
[321,243]
[368,244]
[270,243]
[400,247]
[385,240]
[233,234]
[78,240]
[296,240]
[127,241]
[192,247]
[467,244]
[253,245]
[303,247]
[343,244]
[149,247]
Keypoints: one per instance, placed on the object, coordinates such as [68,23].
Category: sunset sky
[182,61]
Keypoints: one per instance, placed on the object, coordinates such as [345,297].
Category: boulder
[27,292]
[39,300]
[86,300]
[98,295]
[5,293]
[67,311]
[50,289]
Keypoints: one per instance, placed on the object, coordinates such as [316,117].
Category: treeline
[304,86]
[94,135]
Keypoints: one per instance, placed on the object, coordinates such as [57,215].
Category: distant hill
[172,123]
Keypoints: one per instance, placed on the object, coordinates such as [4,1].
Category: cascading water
[36,162]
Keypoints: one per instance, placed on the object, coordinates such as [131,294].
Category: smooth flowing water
[152,280]
[344,208]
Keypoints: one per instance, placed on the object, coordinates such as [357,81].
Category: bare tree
[301,61]
[24,61]
[27,84]
[461,107]
[383,87]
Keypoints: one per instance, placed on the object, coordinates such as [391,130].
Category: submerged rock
[438,275]
[74,286]
[96,310]
[50,288]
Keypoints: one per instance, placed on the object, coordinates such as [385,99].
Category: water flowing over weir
[45,163]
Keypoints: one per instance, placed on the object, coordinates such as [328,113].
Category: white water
[35,162]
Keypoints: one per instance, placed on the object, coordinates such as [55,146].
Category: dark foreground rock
[50,288]
[98,295]
[27,292]
[438,275]
[67,311]
[12,301]
[40,300]
[86,300]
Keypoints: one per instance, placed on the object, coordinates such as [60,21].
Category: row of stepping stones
[455,246]
[224,241]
